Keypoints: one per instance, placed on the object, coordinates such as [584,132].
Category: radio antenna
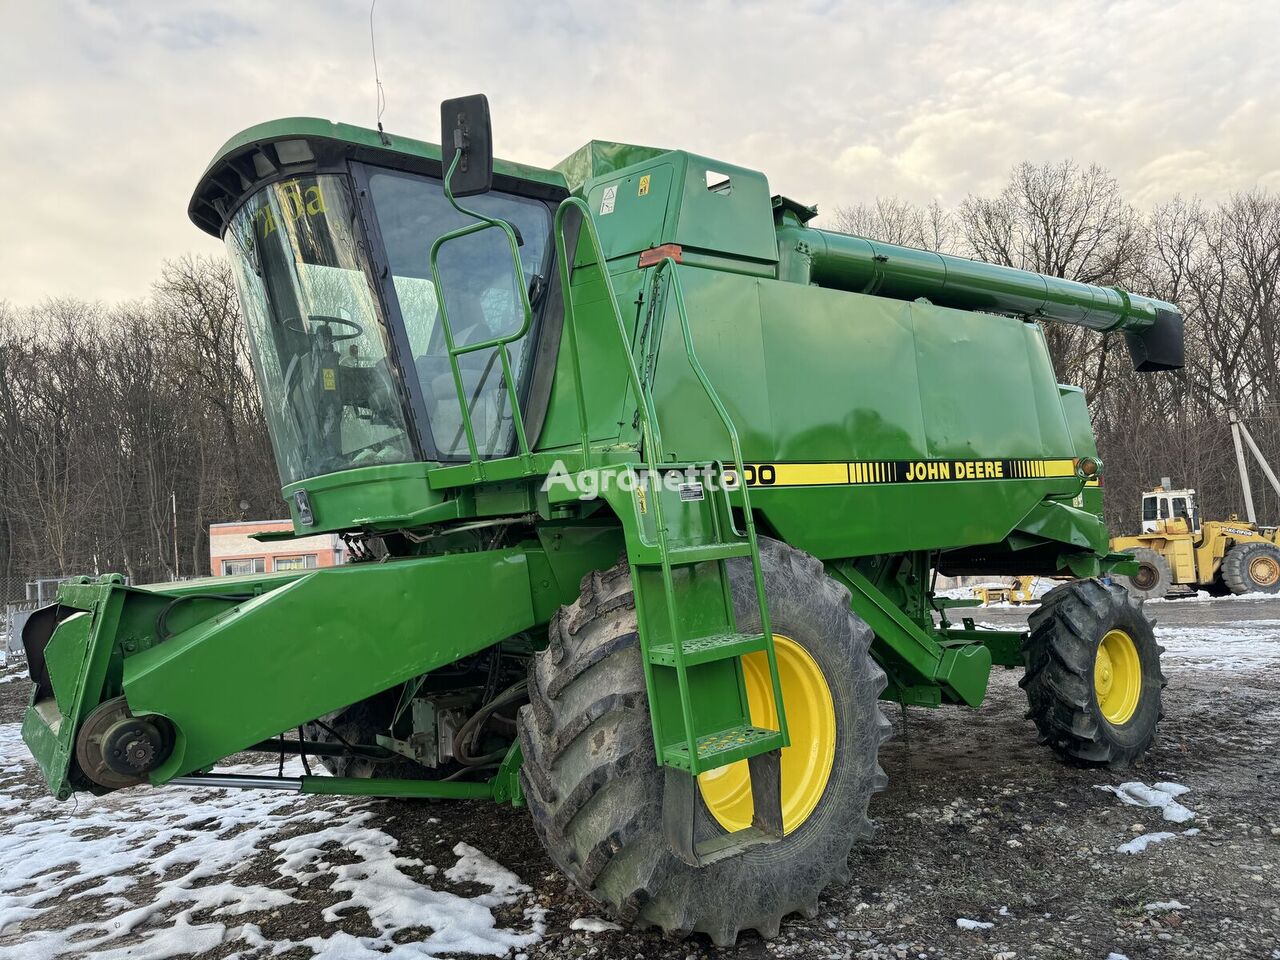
[380,94]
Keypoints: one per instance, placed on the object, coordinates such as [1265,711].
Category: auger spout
[1152,328]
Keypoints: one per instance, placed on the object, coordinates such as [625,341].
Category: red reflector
[655,255]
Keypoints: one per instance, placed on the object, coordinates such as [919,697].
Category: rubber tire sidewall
[1235,568]
[1164,575]
[643,881]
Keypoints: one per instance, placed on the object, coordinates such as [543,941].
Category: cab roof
[273,149]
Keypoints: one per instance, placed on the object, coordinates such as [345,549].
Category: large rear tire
[1252,568]
[595,791]
[1093,677]
[1154,578]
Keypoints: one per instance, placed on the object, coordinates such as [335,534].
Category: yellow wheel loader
[1176,549]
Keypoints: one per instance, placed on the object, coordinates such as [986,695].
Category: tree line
[113,415]
[128,428]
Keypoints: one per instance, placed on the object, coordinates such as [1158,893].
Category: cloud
[110,111]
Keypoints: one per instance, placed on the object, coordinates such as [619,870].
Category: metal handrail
[669,264]
[500,343]
[652,442]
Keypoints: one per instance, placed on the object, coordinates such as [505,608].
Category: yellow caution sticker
[644,185]
[330,378]
[857,472]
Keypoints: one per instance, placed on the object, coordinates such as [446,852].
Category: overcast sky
[110,110]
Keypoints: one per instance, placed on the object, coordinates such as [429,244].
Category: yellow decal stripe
[855,472]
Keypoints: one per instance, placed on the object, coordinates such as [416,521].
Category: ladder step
[701,553]
[725,747]
[720,646]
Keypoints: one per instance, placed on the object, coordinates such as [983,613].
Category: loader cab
[330,231]
[1163,509]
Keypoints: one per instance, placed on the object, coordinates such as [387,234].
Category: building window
[307,562]
[235,568]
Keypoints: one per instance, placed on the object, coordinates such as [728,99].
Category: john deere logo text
[955,470]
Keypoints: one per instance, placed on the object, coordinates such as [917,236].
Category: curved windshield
[479,279]
[319,343]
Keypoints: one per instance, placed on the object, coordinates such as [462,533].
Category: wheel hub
[1117,677]
[116,749]
[1264,571]
[1146,577]
[806,764]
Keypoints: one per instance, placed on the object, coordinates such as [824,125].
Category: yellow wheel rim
[806,764]
[1264,570]
[1117,677]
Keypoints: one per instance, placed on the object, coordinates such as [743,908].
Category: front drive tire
[595,790]
[1093,677]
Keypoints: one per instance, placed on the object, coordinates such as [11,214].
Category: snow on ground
[163,873]
[1250,645]
[1161,796]
[1140,843]
[593,925]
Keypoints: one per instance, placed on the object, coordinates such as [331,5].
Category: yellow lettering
[315,201]
[999,473]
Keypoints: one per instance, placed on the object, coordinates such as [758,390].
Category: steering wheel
[296,326]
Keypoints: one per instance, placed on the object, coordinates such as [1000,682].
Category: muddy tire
[1093,677]
[1252,568]
[1153,579]
[595,791]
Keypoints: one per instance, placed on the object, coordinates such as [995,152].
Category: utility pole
[1239,430]
[1242,466]
[173,499]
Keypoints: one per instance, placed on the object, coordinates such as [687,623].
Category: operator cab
[330,233]
[1161,506]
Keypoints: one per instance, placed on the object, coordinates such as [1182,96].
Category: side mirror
[464,125]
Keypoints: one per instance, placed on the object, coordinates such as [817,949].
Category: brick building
[232,550]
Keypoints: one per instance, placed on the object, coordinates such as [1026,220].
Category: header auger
[646,482]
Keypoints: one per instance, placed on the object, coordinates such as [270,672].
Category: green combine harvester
[645,483]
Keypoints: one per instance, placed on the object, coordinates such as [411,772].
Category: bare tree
[894,220]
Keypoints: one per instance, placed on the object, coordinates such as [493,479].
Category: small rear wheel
[1252,568]
[1154,577]
[1093,678]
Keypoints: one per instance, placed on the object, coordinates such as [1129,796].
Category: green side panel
[610,405]
[384,497]
[630,210]
[1076,408]
[1054,520]
[986,384]
[865,378]
[320,642]
[78,658]
[736,220]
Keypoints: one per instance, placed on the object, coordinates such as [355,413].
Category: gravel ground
[979,823]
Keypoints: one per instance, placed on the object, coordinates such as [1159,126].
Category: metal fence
[20,599]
